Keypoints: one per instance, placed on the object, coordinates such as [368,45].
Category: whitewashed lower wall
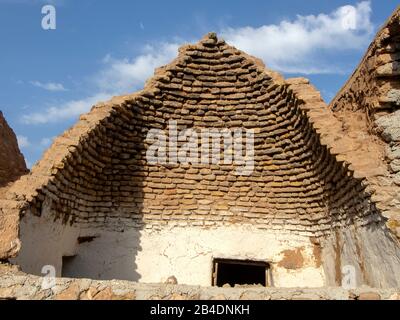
[152,256]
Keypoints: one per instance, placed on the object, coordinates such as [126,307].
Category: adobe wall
[98,172]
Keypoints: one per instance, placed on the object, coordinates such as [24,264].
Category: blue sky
[104,48]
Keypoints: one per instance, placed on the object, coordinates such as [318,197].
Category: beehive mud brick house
[319,191]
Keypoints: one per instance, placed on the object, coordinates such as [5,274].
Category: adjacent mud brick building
[12,166]
[12,163]
[323,194]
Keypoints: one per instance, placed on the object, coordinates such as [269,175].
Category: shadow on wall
[77,252]
[106,256]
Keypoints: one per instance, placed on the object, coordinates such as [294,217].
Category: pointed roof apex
[211,39]
[211,36]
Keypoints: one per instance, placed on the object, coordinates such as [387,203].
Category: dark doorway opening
[67,269]
[240,272]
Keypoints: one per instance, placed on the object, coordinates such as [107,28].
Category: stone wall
[17,285]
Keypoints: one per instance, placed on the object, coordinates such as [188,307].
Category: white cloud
[23,142]
[117,77]
[64,111]
[299,45]
[50,86]
[127,75]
